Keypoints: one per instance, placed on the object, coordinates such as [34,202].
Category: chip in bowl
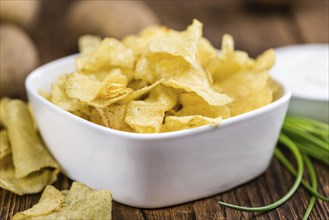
[162,80]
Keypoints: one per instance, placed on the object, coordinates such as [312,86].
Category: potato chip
[82,202]
[80,86]
[79,202]
[83,112]
[145,71]
[33,183]
[183,44]
[255,100]
[150,45]
[137,84]
[252,92]
[114,85]
[50,201]
[275,88]
[174,123]
[222,68]
[29,152]
[89,43]
[4,144]
[139,93]
[59,97]
[3,117]
[140,43]
[242,78]
[147,116]
[196,81]
[110,54]
[229,61]
[163,95]
[227,45]
[159,66]
[162,65]
[129,73]
[95,93]
[45,94]
[195,105]
[103,103]
[115,115]
[155,31]
[265,61]
[205,52]
[26,166]
[102,75]
[136,44]
[97,118]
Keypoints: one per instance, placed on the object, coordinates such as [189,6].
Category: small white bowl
[296,66]
[155,170]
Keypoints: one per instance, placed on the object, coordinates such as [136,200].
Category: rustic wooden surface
[254,29]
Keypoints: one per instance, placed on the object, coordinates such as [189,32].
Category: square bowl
[155,170]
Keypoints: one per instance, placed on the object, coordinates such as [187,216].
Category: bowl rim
[301,47]
[36,74]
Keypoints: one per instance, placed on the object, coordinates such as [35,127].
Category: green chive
[312,139]
[308,121]
[294,149]
[314,181]
[292,170]
[299,133]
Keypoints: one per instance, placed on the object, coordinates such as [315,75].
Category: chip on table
[26,165]
[80,202]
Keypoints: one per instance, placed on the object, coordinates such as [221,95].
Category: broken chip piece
[80,202]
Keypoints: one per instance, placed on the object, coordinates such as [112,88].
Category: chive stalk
[314,181]
[310,136]
[294,149]
[312,139]
[292,170]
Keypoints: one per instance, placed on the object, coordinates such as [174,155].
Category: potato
[23,13]
[109,18]
[18,56]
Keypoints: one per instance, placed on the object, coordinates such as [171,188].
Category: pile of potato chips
[25,165]
[79,202]
[162,80]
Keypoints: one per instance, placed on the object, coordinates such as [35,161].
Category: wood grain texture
[254,30]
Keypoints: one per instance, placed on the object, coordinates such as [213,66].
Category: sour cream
[304,69]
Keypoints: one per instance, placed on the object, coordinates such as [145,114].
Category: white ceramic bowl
[155,170]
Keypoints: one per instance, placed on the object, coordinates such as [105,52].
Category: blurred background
[34,32]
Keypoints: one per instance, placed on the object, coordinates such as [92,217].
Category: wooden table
[255,30]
